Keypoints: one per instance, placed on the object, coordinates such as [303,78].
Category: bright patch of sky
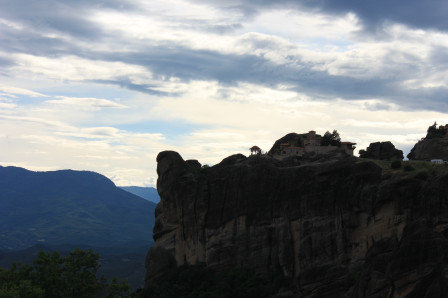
[104,87]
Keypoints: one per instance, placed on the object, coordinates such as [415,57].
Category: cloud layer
[105,86]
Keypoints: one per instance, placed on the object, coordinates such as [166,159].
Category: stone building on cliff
[311,143]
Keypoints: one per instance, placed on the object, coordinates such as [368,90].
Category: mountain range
[69,207]
[148,193]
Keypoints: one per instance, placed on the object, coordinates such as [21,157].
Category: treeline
[331,138]
[53,276]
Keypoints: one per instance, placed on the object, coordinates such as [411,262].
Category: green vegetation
[197,281]
[53,275]
[423,175]
[396,164]
[414,168]
[408,168]
[332,139]
[124,262]
[434,132]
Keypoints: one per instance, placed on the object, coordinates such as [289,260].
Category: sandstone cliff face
[337,228]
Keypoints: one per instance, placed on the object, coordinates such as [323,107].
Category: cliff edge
[433,146]
[334,227]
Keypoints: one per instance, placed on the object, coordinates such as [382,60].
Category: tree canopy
[332,139]
[52,275]
[434,132]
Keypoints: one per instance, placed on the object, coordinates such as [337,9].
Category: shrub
[422,175]
[53,275]
[408,168]
[396,164]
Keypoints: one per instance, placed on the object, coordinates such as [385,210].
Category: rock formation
[382,151]
[336,228]
[433,146]
[428,149]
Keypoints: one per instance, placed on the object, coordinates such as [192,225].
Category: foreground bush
[53,275]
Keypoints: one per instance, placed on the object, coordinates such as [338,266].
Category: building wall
[296,151]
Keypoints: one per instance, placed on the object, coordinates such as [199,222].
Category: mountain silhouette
[69,207]
[148,193]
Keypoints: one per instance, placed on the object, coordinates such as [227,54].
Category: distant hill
[148,193]
[69,207]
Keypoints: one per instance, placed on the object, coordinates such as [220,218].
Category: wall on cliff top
[335,227]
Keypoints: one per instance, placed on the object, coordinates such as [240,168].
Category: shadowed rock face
[428,149]
[382,151]
[335,227]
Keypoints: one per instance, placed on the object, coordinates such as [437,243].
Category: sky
[105,86]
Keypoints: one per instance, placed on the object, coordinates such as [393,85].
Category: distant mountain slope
[148,193]
[69,207]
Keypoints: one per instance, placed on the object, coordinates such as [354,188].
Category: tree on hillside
[332,139]
[53,275]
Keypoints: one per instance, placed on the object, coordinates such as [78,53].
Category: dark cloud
[171,60]
[230,69]
[14,41]
[50,16]
[128,84]
[424,14]
[439,57]
[223,29]
[4,63]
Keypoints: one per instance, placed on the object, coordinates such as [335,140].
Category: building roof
[255,148]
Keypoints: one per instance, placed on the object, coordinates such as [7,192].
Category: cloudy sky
[106,85]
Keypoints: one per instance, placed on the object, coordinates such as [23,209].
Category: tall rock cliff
[335,228]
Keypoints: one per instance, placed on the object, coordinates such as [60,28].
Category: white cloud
[72,68]
[106,150]
[20,91]
[83,102]
[6,105]
[305,28]
[36,120]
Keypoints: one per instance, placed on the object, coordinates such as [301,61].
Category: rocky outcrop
[381,151]
[293,139]
[427,149]
[335,228]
